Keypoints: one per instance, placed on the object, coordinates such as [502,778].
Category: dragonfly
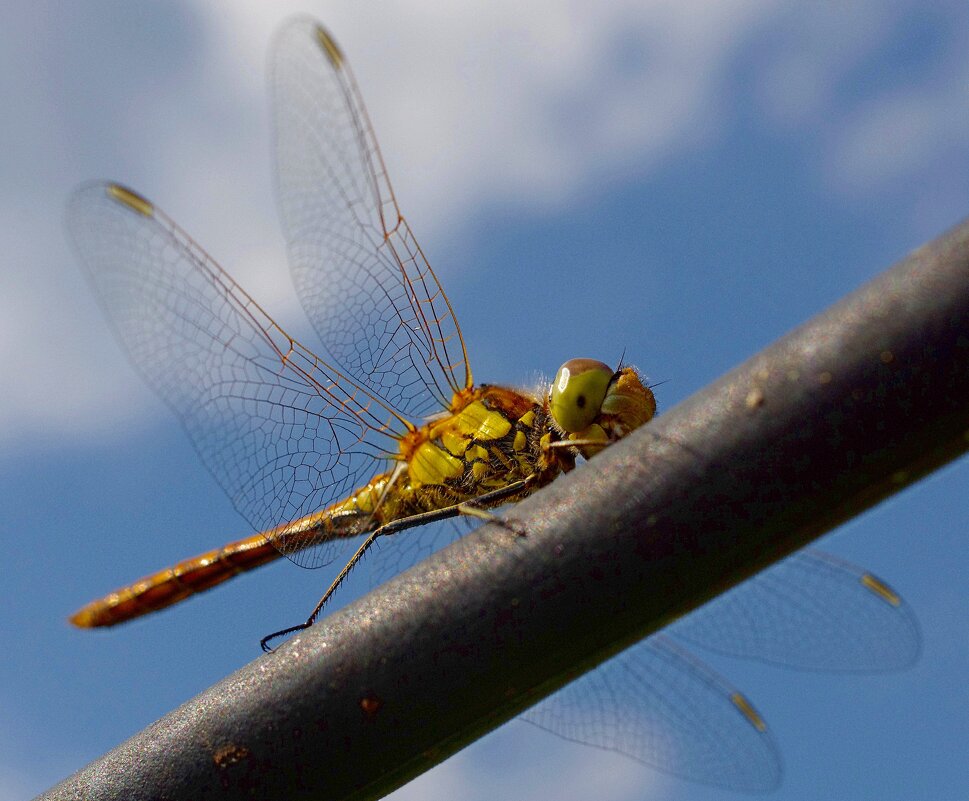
[387,431]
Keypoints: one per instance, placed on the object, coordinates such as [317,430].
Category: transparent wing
[657,704]
[282,432]
[811,611]
[362,278]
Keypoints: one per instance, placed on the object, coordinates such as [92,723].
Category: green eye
[577,393]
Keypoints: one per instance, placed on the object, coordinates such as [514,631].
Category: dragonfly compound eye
[578,391]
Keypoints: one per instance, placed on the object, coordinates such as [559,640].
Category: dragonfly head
[593,403]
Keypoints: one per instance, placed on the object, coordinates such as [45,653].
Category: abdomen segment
[169,586]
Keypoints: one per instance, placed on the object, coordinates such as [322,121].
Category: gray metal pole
[841,413]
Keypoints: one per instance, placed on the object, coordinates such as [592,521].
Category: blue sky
[680,181]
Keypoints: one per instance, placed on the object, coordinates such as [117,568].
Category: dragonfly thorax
[500,436]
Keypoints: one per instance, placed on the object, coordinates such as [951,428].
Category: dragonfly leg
[472,508]
[477,507]
[263,643]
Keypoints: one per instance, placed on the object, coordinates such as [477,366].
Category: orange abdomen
[166,587]
[169,586]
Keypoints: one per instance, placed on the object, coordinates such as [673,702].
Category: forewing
[365,285]
[283,433]
[659,705]
[811,611]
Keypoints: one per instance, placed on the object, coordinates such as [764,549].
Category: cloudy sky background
[684,181]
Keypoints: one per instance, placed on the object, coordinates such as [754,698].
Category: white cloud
[475,105]
[808,52]
[903,132]
[497,767]
[469,109]
[823,74]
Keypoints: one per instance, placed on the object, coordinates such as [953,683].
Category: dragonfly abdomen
[175,583]
[192,576]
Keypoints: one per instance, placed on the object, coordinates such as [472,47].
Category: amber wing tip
[131,199]
[330,47]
